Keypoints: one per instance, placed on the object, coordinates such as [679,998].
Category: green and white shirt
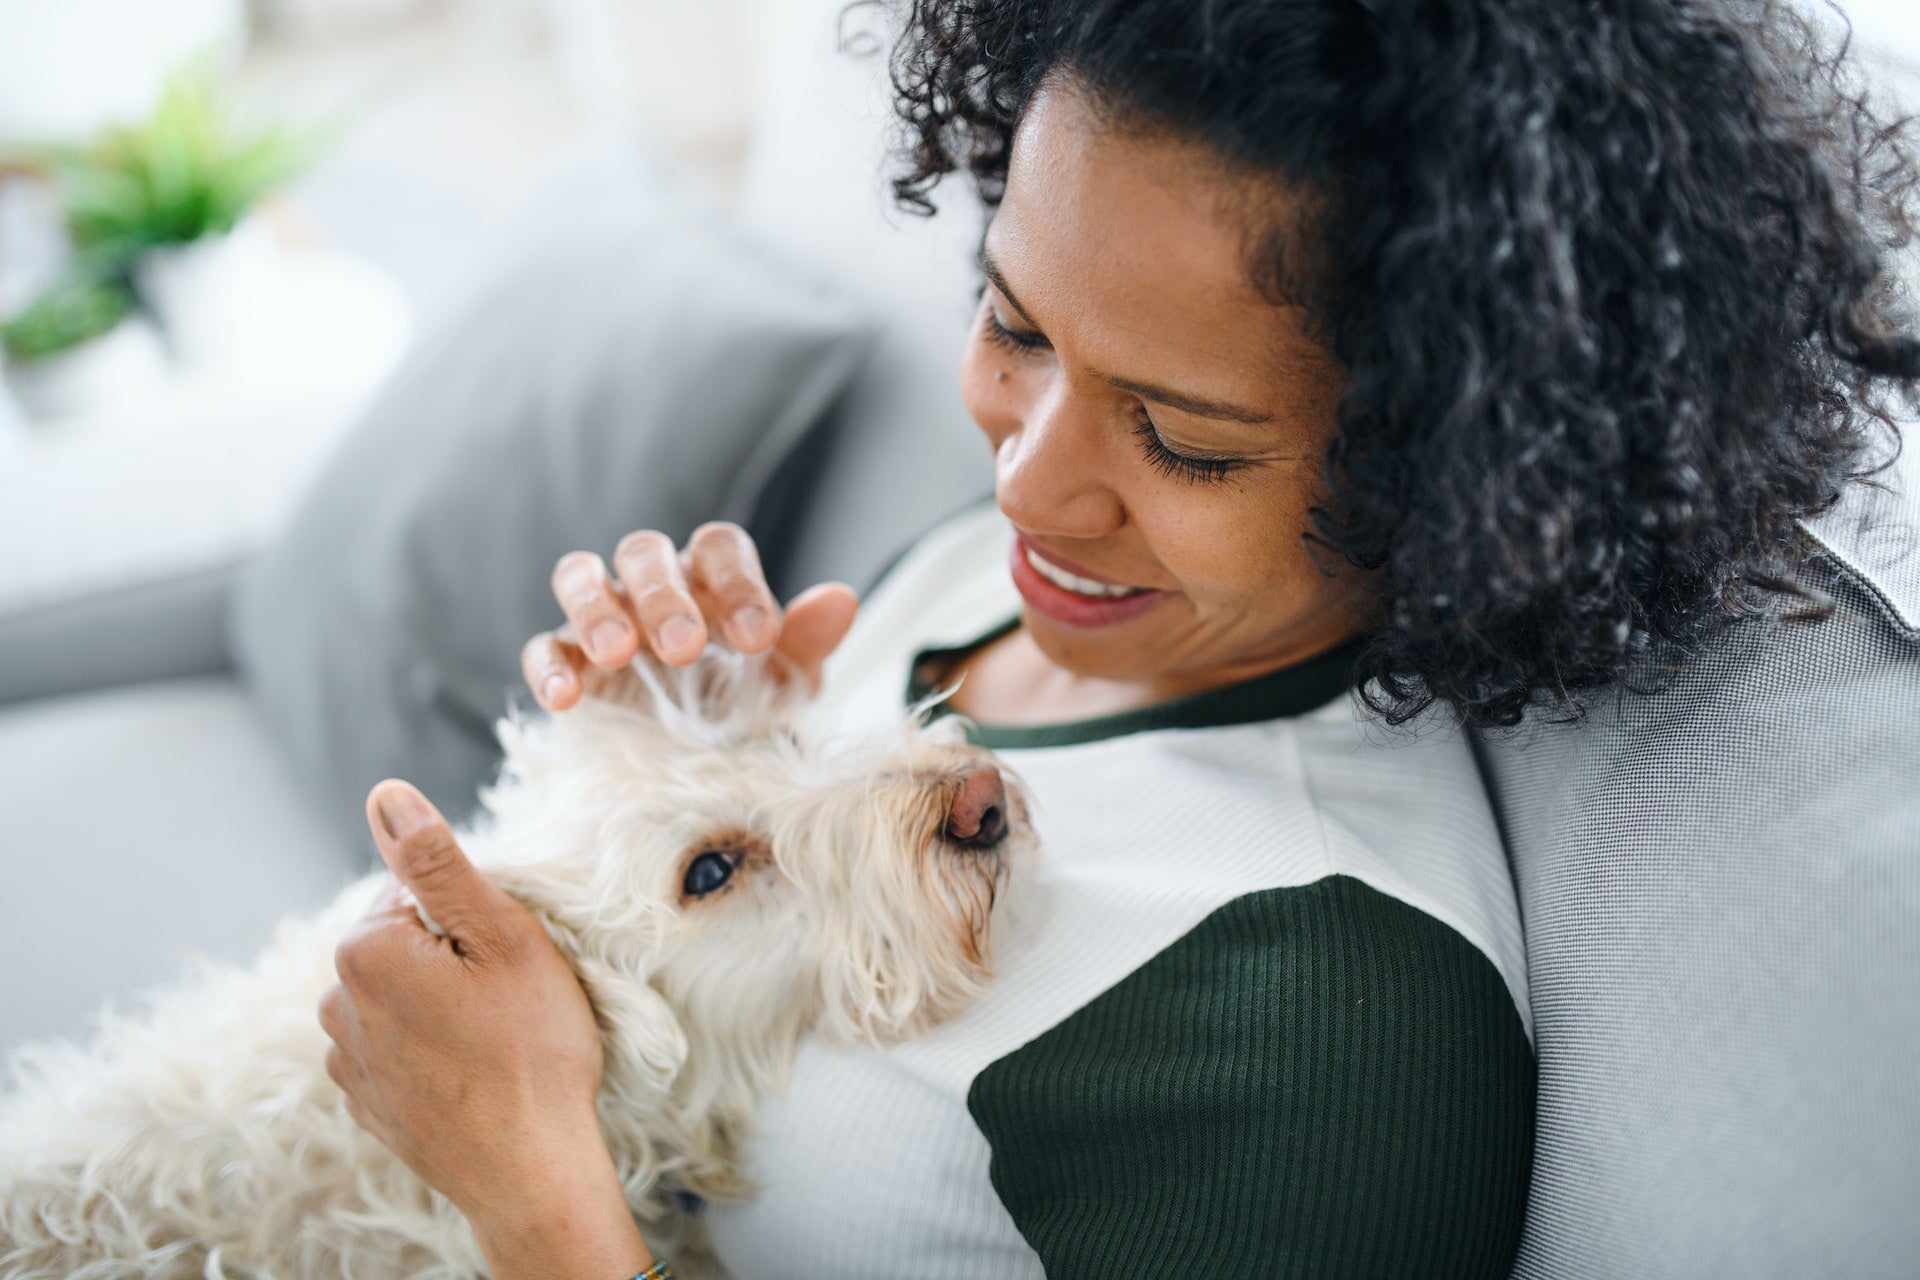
[1262,1013]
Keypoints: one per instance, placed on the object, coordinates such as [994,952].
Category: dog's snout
[978,819]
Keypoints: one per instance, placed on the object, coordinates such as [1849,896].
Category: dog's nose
[979,816]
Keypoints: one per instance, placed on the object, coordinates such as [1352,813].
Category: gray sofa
[1720,885]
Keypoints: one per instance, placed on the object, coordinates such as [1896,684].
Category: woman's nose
[1050,472]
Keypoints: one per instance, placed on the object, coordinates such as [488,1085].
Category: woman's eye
[1171,463]
[1016,341]
[708,872]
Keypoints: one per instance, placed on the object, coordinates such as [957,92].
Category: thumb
[419,848]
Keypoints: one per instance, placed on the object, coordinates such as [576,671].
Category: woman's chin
[1121,654]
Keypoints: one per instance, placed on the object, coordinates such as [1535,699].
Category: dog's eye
[708,872]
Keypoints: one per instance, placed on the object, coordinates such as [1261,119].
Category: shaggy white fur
[203,1137]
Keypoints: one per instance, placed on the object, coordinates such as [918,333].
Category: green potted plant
[72,312]
[162,207]
[171,196]
[77,344]
[186,172]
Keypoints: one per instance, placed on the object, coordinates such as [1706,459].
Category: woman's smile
[1061,571]
[1158,424]
[1070,599]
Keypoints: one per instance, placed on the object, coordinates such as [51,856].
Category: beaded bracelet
[658,1271]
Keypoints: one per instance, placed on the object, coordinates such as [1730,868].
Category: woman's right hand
[673,600]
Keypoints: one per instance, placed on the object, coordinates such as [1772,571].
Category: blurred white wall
[1890,28]
[665,69]
[461,108]
[298,18]
[68,66]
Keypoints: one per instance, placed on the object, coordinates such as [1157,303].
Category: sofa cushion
[146,826]
[155,629]
[631,365]
[1720,887]
[813,181]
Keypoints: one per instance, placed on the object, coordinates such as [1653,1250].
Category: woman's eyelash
[1017,341]
[1180,466]
[1167,462]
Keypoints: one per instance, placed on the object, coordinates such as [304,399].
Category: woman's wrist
[567,1217]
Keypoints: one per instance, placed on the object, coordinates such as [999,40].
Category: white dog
[721,886]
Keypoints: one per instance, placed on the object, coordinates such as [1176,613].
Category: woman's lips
[1069,607]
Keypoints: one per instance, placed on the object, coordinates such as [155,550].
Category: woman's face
[1157,424]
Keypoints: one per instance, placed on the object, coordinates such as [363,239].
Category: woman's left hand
[474,1056]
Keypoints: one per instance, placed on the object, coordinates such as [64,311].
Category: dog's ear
[646,1051]
[645,1045]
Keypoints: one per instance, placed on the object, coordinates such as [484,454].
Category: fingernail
[404,811]
[553,687]
[678,633]
[750,624]
[606,638]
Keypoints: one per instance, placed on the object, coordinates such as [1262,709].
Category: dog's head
[680,830]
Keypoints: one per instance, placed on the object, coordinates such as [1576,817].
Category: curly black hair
[1614,284]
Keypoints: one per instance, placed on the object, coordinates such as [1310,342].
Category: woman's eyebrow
[1199,406]
[1195,405]
[992,272]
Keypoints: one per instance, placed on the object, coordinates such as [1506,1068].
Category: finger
[420,850]
[336,1014]
[651,575]
[375,948]
[592,678]
[345,1069]
[552,670]
[392,904]
[338,1070]
[392,900]
[595,609]
[350,1075]
[818,619]
[723,566]
[358,1113]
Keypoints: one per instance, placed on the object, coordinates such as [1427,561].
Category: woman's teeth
[1082,586]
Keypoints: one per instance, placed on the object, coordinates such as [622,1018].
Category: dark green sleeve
[1318,1081]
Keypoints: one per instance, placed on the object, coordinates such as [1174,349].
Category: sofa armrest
[154,630]
[146,825]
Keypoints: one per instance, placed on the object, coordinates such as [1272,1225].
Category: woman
[1482,354]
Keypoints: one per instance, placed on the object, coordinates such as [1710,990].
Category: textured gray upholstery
[66,646]
[145,825]
[631,364]
[1720,886]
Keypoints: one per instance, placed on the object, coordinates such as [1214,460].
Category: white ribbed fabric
[871,1166]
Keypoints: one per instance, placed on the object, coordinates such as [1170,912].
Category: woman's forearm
[568,1222]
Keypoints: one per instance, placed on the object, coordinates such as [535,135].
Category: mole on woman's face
[1159,425]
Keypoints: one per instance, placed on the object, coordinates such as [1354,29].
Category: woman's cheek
[988,390]
[1238,540]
